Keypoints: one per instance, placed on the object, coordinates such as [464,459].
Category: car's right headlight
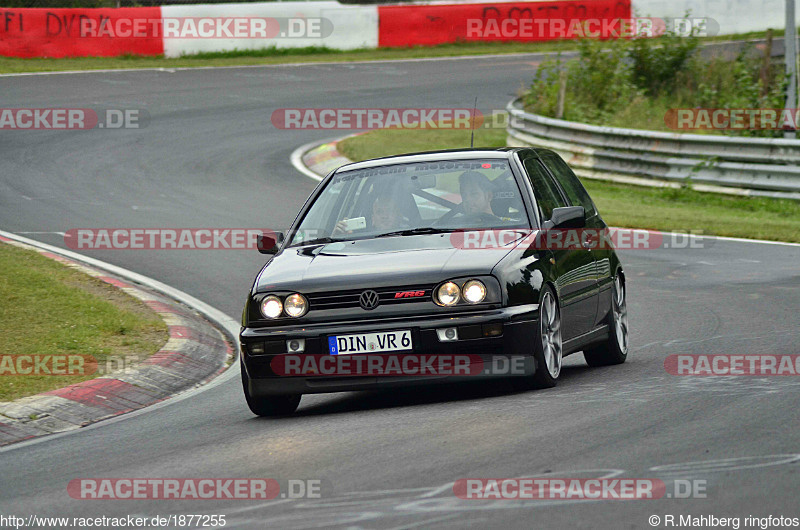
[448,294]
[295,305]
[271,307]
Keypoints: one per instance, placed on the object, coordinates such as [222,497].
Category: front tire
[615,349]
[547,347]
[269,406]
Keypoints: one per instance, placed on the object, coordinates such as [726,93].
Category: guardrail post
[791,62]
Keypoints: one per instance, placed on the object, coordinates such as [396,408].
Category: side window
[545,190]
[569,182]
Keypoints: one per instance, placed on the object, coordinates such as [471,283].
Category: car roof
[502,153]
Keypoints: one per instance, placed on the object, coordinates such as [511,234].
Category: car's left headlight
[271,307]
[474,291]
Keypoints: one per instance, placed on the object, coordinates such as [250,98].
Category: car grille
[349,298]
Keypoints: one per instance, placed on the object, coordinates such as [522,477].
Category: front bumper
[477,333]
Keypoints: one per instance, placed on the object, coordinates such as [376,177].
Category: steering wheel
[482,218]
[442,221]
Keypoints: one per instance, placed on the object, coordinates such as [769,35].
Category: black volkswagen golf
[433,267]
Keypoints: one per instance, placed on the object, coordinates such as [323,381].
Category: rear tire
[270,406]
[615,349]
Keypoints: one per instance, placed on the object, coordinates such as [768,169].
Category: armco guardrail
[746,166]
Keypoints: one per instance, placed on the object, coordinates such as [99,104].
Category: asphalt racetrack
[210,157]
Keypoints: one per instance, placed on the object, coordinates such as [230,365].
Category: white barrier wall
[733,16]
[49,32]
[343,27]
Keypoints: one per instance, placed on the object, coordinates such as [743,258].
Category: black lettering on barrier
[551,9]
[71,25]
[521,11]
[81,25]
[486,11]
[103,29]
[12,21]
[68,23]
[52,17]
[576,11]
[571,10]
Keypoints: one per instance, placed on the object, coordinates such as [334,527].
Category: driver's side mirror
[269,242]
[567,217]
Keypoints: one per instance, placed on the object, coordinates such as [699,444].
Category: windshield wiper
[317,241]
[417,231]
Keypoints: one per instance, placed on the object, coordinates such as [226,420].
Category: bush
[634,82]
[654,66]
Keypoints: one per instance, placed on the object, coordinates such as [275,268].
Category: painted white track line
[228,324]
[296,158]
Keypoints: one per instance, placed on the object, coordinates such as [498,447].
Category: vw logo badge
[369,300]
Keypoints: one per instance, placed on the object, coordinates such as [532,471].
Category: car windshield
[406,199]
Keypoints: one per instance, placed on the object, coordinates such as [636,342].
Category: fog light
[492,330]
[447,334]
[296,345]
[256,348]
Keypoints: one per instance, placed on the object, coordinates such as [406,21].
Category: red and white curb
[196,352]
[315,160]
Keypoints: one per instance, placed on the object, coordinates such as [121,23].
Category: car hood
[383,262]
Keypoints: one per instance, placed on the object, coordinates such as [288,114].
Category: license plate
[370,342]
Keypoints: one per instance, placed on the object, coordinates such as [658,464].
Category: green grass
[312,54]
[686,210]
[388,142]
[50,309]
[266,56]
[620,204]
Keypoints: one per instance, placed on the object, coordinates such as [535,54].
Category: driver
[386,215]
[476,193]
